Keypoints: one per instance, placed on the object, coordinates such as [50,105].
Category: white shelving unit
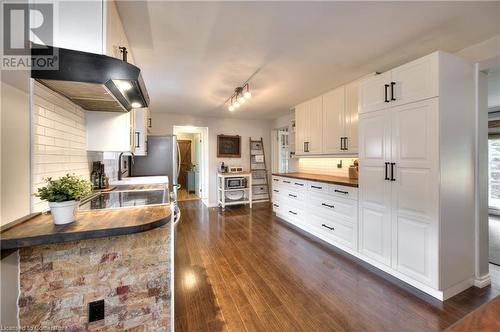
[222,200]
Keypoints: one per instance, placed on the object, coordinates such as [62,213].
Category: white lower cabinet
[327,211]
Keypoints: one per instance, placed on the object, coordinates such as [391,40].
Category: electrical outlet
[96,311]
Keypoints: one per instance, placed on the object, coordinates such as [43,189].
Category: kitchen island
[121,256]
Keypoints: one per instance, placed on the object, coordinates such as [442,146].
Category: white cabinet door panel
[301,123]
[372,93]
[333,120]
[414,81]
[374,190]
[332,207]
[413,243]
[415,195]
[375,234]
[351,116]
[315,126]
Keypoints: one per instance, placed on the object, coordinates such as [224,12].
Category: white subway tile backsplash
[326,166]
[59,140]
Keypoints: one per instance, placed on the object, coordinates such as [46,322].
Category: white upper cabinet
[309,133]
[328,124]
[351,117]
[333,120]
[315,126]
[141,131]
[416,80]
[301,123]
[115,33]
[374,93]
[110,131]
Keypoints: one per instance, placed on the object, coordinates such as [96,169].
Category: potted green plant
[63,195]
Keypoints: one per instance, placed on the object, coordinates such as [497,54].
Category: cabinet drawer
[298,185]
[336,231]
[277,191]
[343,191]
[317,187]
[277,205]
[276,181]
[329,207]
[294,197]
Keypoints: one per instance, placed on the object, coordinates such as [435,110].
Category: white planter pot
[63,212]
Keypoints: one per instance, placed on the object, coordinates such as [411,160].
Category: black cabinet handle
[345,143]
[306,146]
[386,171]
[149,123]
[276,191]
[328,205]
[342,192]
[299,184]
[342,143]
[392,171]
[326,226]
[392,91]
[276,205]
[294,213]
[275,180]
[316,187]
[294,196]
[286,181]
[385,92]
[137,142]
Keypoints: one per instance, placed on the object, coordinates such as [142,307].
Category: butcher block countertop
[40,229]
[340,180]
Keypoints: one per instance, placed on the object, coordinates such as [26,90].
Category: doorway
[193,162]
[280,150]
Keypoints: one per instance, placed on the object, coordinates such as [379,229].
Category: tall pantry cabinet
[416,176]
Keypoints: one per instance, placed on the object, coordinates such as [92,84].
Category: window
[283,150]
[494,174]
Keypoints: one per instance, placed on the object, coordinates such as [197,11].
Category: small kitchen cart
[222,200]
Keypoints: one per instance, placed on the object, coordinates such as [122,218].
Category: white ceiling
[194,54]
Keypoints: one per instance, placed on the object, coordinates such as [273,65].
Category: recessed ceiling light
[136,105]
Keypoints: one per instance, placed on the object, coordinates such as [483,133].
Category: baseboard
[482,281]
[457,288]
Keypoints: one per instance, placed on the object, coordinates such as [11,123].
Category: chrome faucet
[120,163]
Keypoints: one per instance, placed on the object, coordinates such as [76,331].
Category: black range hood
[95,82]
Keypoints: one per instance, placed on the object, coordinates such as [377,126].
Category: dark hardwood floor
[246,270]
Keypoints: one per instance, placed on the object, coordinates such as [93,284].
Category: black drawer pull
[386,171]
[294,213]
[392,171]
[275,180]
[385,94]
[328,205]
[276,191]
[326,226]
[342,192]
[294,196]
[276,205]
[392,91]
[316,187]
[286,181]
[298,184]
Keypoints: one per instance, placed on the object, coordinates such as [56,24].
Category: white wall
[14,178]
[163,123]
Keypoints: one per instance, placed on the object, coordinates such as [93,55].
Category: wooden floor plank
[245,270]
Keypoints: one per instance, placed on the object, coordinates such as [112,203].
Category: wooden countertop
[40,229]
[485,318]
[340,180]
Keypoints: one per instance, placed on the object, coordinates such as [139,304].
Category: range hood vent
[93,81]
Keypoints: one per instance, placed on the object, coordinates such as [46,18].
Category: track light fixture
[239,97]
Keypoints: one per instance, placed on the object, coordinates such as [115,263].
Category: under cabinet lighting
[136,105]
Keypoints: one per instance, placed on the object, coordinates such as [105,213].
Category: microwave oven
[235,182]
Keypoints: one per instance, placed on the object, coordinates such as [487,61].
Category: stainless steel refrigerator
[162,159]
